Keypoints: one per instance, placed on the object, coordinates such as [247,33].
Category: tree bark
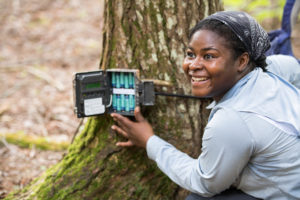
[150,36]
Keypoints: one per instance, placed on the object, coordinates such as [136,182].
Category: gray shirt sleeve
[226,149]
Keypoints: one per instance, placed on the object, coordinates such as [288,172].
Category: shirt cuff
[153,146]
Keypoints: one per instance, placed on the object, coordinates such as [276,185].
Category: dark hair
[234,43]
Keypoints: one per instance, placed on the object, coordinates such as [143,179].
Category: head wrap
[246,28]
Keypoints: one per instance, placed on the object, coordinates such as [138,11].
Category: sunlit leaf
[258,3]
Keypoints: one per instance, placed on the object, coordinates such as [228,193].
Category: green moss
[28,141]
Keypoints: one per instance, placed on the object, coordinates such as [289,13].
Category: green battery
[131,80]
[113,79]
[114,102]
[131,102]
[118,103]
[122,102]
[122,80]
[118,85]
[127,107]
[126,79]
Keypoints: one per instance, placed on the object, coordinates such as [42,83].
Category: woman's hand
[137,132]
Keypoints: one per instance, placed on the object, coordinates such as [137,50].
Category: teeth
[199,79]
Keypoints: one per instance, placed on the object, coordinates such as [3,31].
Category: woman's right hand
[137,132]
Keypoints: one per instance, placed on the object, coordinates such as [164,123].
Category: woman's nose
[196,64]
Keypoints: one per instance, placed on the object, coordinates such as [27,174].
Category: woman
[251,141]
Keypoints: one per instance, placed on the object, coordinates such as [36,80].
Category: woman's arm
[227,147]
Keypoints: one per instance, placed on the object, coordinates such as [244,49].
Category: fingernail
[113,127]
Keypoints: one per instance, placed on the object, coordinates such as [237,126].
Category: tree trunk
[150,36]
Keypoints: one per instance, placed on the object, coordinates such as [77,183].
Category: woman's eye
[208,56]
[190,54]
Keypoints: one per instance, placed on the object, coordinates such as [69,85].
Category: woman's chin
[199,94]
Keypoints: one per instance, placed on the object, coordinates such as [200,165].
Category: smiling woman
[250,147]
[210,66]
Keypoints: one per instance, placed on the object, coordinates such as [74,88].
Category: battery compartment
[124,91]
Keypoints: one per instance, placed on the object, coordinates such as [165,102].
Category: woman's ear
[243,62]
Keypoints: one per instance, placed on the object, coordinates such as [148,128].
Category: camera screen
[92,85]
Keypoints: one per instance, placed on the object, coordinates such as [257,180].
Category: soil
[43,43]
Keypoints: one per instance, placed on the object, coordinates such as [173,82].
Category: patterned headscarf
[253,36]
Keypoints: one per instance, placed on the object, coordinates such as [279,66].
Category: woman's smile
[195,79]
[198,81]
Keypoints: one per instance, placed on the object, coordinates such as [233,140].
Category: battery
[131,102]
[131,80]
[122,102]
[113,79]
[122,80]
[118,85]
[118,102]
[127,107]
[126,80]
[114,102]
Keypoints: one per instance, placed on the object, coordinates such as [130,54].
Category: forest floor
[43,43]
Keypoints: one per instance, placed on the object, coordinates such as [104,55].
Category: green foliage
[259,9]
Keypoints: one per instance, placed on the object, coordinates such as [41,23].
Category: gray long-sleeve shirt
[252,151]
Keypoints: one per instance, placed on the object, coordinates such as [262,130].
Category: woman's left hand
[137,132]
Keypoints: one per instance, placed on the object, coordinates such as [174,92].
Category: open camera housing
[108,91]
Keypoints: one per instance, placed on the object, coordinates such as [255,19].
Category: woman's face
[209,65]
